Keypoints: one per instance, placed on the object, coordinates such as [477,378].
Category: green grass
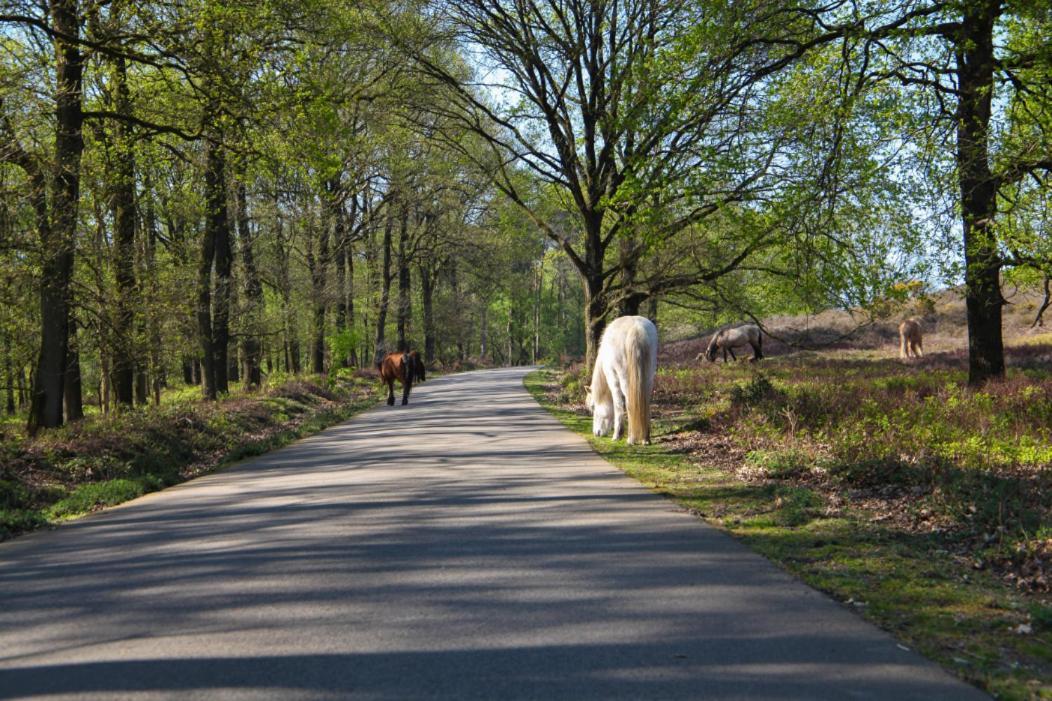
[908,584]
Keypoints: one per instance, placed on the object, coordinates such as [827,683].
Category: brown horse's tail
[637,354]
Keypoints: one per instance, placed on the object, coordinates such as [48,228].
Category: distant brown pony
[404,367]
[910,338]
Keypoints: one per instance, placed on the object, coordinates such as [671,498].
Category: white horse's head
[602,415]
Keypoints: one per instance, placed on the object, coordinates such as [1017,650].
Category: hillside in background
[945,332]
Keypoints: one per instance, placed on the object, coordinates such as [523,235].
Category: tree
[968,65]
[638,113]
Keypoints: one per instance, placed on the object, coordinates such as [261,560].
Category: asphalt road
[463,547]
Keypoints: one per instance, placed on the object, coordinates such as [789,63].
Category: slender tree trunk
[348,296]
[154,327]
[983,300]
[404,301]
[291,340]
[23,388]
[318,281]
[385,294]
[253,327]
[105,383]
[60,243]
[427,303]
[215,203]
[484,330]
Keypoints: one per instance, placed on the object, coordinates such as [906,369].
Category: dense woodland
[220,192]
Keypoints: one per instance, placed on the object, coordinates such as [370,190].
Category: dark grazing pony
[404,367]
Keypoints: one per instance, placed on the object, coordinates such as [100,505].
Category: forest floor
[104,460]
[921,504]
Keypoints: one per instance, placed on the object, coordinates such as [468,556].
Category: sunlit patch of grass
[94,495]
[907,583]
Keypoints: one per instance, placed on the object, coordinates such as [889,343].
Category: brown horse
[404,367]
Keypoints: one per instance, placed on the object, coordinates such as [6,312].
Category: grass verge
[907,583]
[106,460]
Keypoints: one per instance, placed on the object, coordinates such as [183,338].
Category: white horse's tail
[638,354]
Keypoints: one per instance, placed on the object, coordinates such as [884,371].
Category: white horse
[728,339]
[623,378]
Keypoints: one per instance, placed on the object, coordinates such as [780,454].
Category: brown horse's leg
[406,386]
[390,392]
[733,356]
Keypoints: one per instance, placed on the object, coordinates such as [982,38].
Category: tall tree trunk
[405,304]
[291,341]
[224,261]
[385,294]
[427,303]
[214,201]
[484,330]
[124,215]
[105,382]
[983,300]
[59,245]
[253,327]
[154,327]
[318,268]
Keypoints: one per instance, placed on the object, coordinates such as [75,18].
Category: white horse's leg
[619,412]
[617,394]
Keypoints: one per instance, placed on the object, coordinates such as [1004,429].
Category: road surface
[464,547]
